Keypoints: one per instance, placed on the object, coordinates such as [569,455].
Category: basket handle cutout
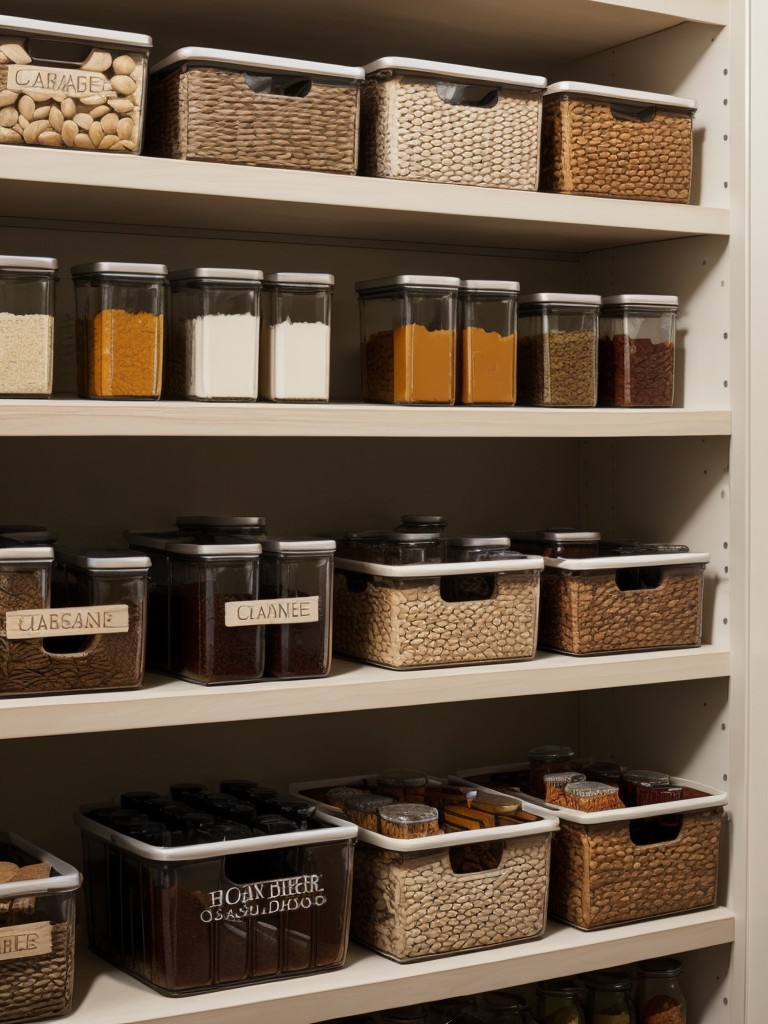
[648,577]
[652,831]
[476,858]
[356,582]
[65,53]
[631,112]
[458,95]
[478,587]
[279,85]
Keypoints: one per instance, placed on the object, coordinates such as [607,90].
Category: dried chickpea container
[408,330]
[636,351]
[27,285]
[90,83]
[557,349]
[487,350]
[295,356]
[120,309]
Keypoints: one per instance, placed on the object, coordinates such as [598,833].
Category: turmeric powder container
[120,322]
[409,339]
[487,352]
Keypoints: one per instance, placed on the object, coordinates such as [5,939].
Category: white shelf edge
[368,982]
[164,701]
[710,12]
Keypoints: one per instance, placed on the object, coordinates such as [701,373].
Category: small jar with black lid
[421,524]
[559,1001]
[659,996]
[609,998]
[478,549]
[547,760]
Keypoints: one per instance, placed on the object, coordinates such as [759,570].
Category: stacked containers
[26,325]
[427,121]
[250,109]
[557,349]
[408,327]
[91,81]
[213,348]
[636,351]
[120,329]
[488,342]
[296,337]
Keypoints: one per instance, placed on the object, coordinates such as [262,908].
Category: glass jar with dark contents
[609,999]
[660,999]
[559,1002]
[560,542]
[547,760]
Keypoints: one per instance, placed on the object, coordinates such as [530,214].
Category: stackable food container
[557,349]
[621,143]
[636,351]
[441,894]
[37,932]
[120,329]
[393,547]
[637,599]
[96,642]
[436,613]
[487,348]
[65,85]
[629,864]
[427,121]
[408,334]
[246,108]
[213,345]
[208,915]
[295,359]
[27,285]
[562,542]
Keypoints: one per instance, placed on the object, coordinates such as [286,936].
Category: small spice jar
[547,760]
[408,329]
[27,286]
[557,349]
[659,997]
[120,310]
[408,821]
[555,785]
[478,549]
[214,529]
[204,580]
[212,353]
[631,780]
[604,771]
[403,784]
[592,796]
[609,999]
[363,809]
[338,795]
[422,524]
[559,1002]
[636,351]
[295,355]
[393,547]
[296,592]
[487,351]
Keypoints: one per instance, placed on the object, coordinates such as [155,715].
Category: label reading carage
[29,78]
[269,612]
[26,940]
[86,621]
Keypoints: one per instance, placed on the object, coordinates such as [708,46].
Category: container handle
[458,95]
[646,577]
[279,85]
[472,587]
[631,112]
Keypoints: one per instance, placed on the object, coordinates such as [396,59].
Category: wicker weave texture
[587,150]
[586,613]
[202,113]
[409,132]
[413,906]
[40,987]
[600,878]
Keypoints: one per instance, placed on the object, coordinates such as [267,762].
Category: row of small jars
[438,340]
[220,346]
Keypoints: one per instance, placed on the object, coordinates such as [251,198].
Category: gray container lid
[384,284]
[307,280]
[32,27]
[29,263]
[219,521]
[95,558]
[244,552]
[479,542]
[216,274]
[575,536]
[560,299]
[258,62]
[121,269]
[299,544]
[640,300]
[512,287]
[459,72]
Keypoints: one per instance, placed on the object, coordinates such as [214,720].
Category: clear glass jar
[636,777]
[557,349]
[27,287]
[393,547]
[660,999]
[120,309]
[297,576]
[445,1011]
[487,351]
[212,353]
[295,354]
[636,352]
[478,549]
[564,542]
[559,1002]
[545,761]
[215,529]
[609,999]
[405,785]
[408,330]
[204,579]
[506,1007]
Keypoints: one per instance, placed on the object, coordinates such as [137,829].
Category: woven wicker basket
[410,131]
[614,146]
[211,112]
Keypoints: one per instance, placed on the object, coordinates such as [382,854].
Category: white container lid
[626,561]
[87,559]
[216,274]
[609,92]
[490,286]
[32,27]
[385,284]
[41,553]
[121,269]
[30,263]
[66,877]
[460,72]
[300,544]
[242,551]
[311,280]
[523,563]
[640,300]
[478,542]
[258,62]
[560,299]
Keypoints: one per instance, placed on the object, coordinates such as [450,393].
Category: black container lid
[241,522]
[663,967]
[551,753]
[558,987]
[609,982]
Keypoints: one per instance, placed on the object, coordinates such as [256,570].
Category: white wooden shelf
[164,701]
[76,418]
[368,982]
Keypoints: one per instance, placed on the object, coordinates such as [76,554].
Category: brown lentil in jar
[557,350]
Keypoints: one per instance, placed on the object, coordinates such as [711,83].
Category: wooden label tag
[42,622]
[281,610]
[26,940]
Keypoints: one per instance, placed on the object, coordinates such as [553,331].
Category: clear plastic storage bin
[120,329]
[408,329]
[557,349]
[213,346]
[245,108]
[27,285]
[90,82]
[295,358]
[427,121]
[488,342]
[636,351]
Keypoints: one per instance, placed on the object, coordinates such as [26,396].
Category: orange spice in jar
[487,352]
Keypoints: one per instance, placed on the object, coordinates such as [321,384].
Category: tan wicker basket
[617,143]
[232,108]
[415,125]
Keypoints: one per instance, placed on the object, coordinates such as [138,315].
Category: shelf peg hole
[722,495]
[725,778]
[722,726]
[725,335]
[725,621]
[725,383]
[725,138]
[725,544]
[725,569]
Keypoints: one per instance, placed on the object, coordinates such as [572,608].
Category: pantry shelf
[164,701]
[370,982]
[59,186]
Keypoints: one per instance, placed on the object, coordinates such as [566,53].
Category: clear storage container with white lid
[636,351]
[92,82]
[557,349]
[487,350]
[295,356]
[408,333]
[27,285]
[213,346]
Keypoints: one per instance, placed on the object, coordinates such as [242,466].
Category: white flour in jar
[295,361]
[222,353]
[26,354]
